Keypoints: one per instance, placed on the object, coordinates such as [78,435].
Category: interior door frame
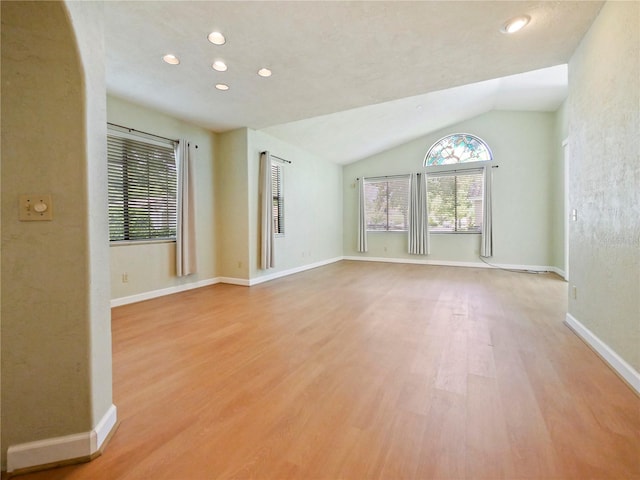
[566,207]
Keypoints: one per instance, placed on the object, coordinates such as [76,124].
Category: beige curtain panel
[418,215]
[186,229]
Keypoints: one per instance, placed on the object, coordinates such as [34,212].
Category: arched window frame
[459,165]
[456,169]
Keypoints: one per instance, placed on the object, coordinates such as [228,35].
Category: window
[455,197]
[278,199]
[457,148]
[455,201]
[142,190]
[387,203]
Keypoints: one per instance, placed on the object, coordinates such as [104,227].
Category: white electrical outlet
[574,292]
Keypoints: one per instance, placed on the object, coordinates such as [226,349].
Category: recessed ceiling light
[216,38]
[171,59]
[264,72]
[222,86]
[515,24]
[219,66]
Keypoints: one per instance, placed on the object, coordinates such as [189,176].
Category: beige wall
[313,206]
[312,209]
[56,345]
[523,146]
[227,208]
[151,266]
[87,21]
[604,134]
[232,195]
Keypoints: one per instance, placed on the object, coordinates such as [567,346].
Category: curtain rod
[275,156]
[388,176]
[140,132]
[406,174]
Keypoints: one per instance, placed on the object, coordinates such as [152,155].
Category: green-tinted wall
[523,145]
[313,207]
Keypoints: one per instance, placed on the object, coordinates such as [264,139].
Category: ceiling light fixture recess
[515,24]
[222,86]
[219,66]
[171,59]
[264,72]
[217,38]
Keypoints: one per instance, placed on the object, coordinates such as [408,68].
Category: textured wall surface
[604,135]
[56,357]
[87,21]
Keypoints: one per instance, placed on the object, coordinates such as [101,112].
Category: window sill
[126,243]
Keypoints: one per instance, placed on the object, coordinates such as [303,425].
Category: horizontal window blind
[455,201]
[142,190]
[278,199]
[387,203]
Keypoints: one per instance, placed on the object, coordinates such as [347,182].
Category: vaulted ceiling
[345,74]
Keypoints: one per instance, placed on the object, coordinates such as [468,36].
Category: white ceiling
[348,136]
[344,73]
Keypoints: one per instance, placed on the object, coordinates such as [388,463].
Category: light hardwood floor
[364,370]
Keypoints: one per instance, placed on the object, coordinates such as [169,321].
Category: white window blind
[387,203]
[142,190]
[455,201]
[278,199]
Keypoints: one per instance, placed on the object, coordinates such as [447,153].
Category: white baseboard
[105,426]
[79,446]
[559,272]
[291,271]
[244,282]
[116,302]
[415,261]
[449,263]
[626,371]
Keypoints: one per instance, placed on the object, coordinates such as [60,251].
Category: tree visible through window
[387,203]
[455,202]
[456,194]
[142,190]
[457,148]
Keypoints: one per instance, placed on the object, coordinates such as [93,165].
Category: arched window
[457,148]
[456,195]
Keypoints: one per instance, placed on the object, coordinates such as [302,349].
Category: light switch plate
[35,207]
